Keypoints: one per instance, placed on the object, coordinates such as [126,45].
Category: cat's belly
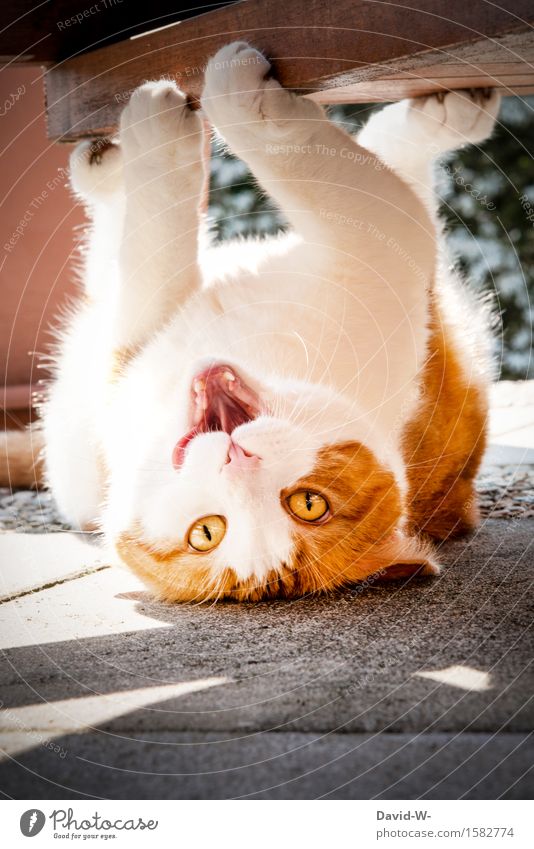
[362,343]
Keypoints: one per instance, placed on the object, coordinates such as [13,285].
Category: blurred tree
[238,207]
[488,195]
[487,199]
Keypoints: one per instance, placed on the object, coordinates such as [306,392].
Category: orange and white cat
[276,416]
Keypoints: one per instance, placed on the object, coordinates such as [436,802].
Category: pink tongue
[180,448]
[225,405]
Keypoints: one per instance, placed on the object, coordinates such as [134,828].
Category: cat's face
[269,491]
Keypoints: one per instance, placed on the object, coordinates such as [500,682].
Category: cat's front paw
[159,126]
[458,117]
[240,93]
[236,77]
[96,169]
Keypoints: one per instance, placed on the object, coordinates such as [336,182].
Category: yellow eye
[207,533]
[308,506]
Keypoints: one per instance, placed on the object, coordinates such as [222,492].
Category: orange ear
[403,556]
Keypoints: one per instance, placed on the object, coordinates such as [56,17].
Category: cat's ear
[404,556]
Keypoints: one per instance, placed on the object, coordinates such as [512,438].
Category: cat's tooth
[247,397]
[200,406]
[229,376]
[199,386]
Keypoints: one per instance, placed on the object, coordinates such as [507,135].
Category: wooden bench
[342,52]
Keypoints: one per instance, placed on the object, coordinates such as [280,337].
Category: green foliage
[487,205]
[487,198]
[237,205]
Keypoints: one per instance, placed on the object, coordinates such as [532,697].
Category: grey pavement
[394,691]
[414,689]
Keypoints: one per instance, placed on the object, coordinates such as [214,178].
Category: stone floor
[416,689]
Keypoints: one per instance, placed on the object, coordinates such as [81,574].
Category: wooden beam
[512,76]
[51,31]
[316,47]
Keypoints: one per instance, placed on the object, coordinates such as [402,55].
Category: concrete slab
[512,393]
[70,611]
[451,655]
[513,457]
[274,766]
[511,431]
[415,689]
[30,561]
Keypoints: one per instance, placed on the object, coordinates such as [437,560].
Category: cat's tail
[21,458]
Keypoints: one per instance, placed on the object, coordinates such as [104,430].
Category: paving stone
[273,766]
[29,562]
[421,688]
[451,654]
[71,611]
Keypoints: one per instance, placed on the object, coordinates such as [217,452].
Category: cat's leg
[74,466]
[96,170]
[411,134]
[161,141]
[143,194]
[369,240]
[96,176]
[444,442]
[331,189]
[73,458]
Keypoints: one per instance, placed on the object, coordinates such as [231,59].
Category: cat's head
[270,491]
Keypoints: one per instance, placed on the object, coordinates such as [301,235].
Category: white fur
[329,324]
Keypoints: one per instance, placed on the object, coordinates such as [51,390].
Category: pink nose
[241,459]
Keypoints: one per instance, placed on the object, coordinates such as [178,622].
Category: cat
[277,416]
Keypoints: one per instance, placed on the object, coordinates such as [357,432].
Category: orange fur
[120,358]
[444,444]
[443,447]
[361,539]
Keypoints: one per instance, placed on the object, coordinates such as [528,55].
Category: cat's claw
[96,169]
[239,90]
[464,117]
[237,72]
[159,124]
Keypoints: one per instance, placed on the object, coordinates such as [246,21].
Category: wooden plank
[382,91]
[54,30]
[514,78]
[315,47]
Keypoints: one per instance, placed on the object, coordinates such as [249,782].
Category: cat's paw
[96,169]
[158,126]
[240,93]
[235,79]
[457,118]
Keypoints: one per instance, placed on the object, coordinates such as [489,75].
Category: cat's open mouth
[220,401]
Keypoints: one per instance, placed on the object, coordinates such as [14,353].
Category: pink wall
[36,263]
